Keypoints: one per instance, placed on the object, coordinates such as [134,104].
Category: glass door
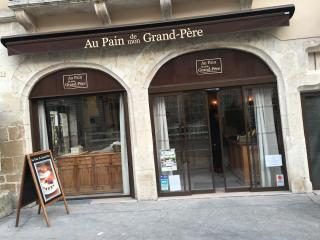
[197,138]
[170,143]
[264,139]
[235,156]
[182,140]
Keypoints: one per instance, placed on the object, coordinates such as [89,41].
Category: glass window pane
[263,131]
[84,135]
[197,147]
[235,155]
[169,142]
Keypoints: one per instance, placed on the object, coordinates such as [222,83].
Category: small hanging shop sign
[75,81]
[209,66]
[40,183]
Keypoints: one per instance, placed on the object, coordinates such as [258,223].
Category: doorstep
[316,192]
[112,200]
[194,196]
[227,194]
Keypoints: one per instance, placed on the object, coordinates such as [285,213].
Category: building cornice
[102,11]
[7,16]
[166,9]
[26,20]
[245,4]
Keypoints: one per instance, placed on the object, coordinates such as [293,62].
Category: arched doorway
[81,115]
[216,124]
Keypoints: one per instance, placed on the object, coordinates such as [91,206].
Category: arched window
[80,114]
[216,124]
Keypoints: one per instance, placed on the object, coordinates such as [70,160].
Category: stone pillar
[142,145]
[297,159]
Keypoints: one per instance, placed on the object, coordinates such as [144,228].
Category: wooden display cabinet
[239,159]
[90,173]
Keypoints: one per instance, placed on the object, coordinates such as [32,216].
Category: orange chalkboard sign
[40,183]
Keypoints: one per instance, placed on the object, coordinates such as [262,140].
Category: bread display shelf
[90,173]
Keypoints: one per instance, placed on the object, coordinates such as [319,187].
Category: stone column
[142,145]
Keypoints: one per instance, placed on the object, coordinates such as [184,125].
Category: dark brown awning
[117,36]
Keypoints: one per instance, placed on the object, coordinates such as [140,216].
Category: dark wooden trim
[281,144]
[34,124]
[203,191]
[213,84]
[52,85]
[129,146]
[264,189]
[20,205]
[245,20]
[221,143]
[185,159]
[238,189]
[290,8]
[174,194]
[151,102]
[245,115]
[210,138]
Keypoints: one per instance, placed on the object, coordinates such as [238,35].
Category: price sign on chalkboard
[40,183]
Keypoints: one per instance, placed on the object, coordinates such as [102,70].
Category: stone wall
[11,160]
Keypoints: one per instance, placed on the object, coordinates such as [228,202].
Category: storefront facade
[225,107]
[201,110]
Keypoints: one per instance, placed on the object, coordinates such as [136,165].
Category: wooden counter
[239,158]
[90,173]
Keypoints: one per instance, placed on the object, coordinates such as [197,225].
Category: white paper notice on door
[174,183]
[273,160]
[280,180]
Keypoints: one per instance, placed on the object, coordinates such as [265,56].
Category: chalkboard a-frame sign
[40,183]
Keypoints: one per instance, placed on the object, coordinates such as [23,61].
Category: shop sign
[149,33]
[75,81]
[46,177]
[147,37]
[168,160]
[40,183]
[209,66]
[273,160]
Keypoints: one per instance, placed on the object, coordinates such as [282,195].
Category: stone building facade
[288,51]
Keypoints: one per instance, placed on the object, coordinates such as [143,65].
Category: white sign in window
[273,160]
[175,183]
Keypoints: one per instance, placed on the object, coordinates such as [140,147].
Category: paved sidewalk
[279,216]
